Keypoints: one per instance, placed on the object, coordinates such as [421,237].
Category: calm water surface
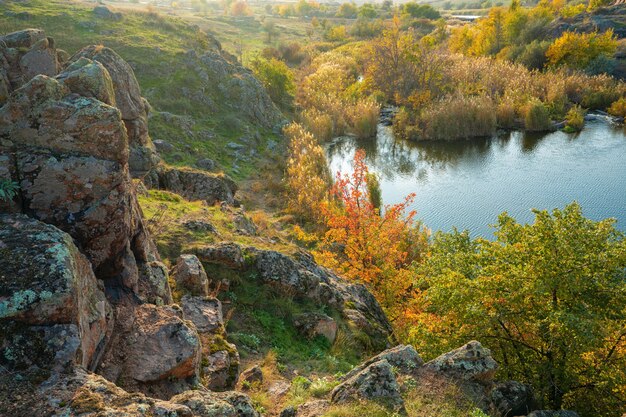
[468,183]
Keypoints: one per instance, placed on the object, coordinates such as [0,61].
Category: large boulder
[226,254]
[40,59]
[470,362]
[49,297]
[23,39]
[375,382]
[404,359]
[189,274]
[156,347]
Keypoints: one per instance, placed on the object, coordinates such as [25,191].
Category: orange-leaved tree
[370,245]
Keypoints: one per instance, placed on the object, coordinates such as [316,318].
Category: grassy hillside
[155,45]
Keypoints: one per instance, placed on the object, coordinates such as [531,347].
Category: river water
[467,184]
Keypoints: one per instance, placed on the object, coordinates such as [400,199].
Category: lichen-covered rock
[469,362]
[376,382]
[133,107]
[233,85]
[311,325]
[213,404]
[103,12]
[45,280]
[79,393]
[127,92]
[512,398]
[315,408]
[23,38]
[89,79]
[190,275]
[153,286]
[193,184]
[403,358]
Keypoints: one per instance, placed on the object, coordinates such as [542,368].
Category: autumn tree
[548,298]
[579,50]
[405,69]
[370,245]
[307,178]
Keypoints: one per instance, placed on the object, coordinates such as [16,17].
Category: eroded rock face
[190,275]
[375,382]
[53,312]
[128,99]
[194,184]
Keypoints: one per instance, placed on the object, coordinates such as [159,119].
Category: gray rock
[163,146]
[404,359]
[200,226]
[23,38]
[207,164]
[376,382]
[194,184]
[103,12]
[469,362]
[224,253]
[40,59]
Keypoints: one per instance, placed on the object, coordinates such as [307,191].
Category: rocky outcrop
[193,184]
[64,141]
[189,275]
[133,108]
[103,12]
[300,277]
[230,83]
[53,312]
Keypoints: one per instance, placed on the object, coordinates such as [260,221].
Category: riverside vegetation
[321,294]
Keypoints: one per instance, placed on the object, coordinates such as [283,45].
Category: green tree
[548,298]
[367,11]
[277,79]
